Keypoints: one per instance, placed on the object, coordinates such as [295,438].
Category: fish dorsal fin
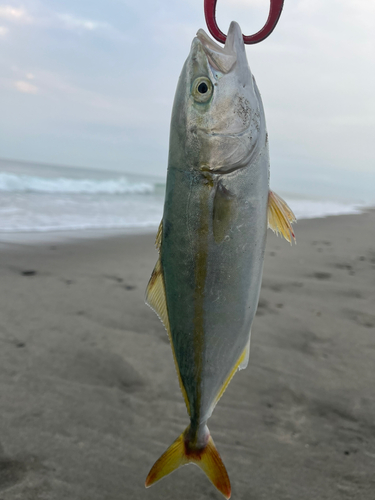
[159,235]
[280,217]
[156,299]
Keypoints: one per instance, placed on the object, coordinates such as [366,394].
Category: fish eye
[202,89]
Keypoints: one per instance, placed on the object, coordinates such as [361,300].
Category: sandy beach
[89,398]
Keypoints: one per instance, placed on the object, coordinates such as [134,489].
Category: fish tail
[183,452]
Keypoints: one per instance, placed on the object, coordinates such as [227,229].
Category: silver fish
[205,286]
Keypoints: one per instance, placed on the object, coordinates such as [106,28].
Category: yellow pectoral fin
[156,299]
[280,216]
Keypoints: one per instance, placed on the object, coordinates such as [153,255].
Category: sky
[91,83]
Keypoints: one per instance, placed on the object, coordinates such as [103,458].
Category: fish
[206,283]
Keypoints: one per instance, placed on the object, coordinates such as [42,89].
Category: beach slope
[89,398]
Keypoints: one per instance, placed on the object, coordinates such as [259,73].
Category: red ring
[276,6]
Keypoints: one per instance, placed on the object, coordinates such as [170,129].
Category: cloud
[25,87]
[42,18]
[78,24]
[50,18]
[114,67]
[72,22]
[14,14]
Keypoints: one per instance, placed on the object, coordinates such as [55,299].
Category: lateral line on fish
[200,278]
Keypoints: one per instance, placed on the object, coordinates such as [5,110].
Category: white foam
[34,184]
[36,212]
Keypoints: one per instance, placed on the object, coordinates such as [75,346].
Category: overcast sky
[91,82]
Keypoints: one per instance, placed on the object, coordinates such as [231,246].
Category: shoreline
[42,237]
[60,236]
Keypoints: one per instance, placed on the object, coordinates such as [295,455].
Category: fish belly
[214,232]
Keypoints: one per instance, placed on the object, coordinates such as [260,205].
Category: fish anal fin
[182,453]
[245,356]
[240,364]
[280,217]
[156,299]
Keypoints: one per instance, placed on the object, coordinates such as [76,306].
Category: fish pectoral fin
[181,453]
[156,299]
[280,217]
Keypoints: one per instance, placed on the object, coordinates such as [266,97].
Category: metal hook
[276,6]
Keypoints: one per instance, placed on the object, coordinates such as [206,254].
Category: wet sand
[89,398]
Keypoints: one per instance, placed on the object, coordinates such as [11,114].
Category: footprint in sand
[304,341]
[279,287]
[12,472]
[322,242]
[319,275]
[321,246]
[343,265]
[118,279]
[263,307]
[361,318]
[97,367]
[353,294]
[28,272]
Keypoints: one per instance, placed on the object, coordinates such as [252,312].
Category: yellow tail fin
[180,453]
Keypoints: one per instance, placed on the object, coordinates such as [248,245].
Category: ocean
[48,198]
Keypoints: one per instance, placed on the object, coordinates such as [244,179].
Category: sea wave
[78,227]
[313,209]
[33,184]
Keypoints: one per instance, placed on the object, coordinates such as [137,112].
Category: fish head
[217,107]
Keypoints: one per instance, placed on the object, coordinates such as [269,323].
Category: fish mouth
[223,58]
